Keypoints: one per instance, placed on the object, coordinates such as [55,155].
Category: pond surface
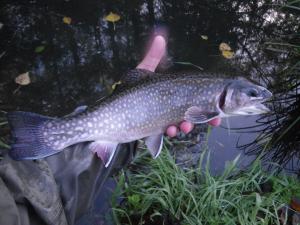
[73,56]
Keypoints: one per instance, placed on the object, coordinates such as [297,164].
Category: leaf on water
[204,37]
[113,87]
[226,50]
[39,49]
[112,17]
[224,47]
[23,79]
[67,20]
[228,54]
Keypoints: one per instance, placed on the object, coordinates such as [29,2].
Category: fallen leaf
[23,79]
[113,87]
[227,54]
[112,17]
[67,20]
[295,203]
[204,37]
[224,47]
[39,49]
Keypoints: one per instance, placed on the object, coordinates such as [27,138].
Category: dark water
[80,61]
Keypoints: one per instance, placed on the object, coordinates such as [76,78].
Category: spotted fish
[142,109]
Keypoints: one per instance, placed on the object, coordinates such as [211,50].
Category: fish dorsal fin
[196,115]
[78,110]
[104,150]
[154,143]
[130,78]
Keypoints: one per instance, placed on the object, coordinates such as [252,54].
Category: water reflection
[81,60]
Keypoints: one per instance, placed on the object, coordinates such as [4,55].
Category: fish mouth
[257,106]
[255,109]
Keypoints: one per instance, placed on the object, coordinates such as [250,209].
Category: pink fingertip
[172,131]
[154,55]
[215,122]
[186,127]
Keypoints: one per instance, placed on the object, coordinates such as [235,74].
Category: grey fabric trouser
[56,190]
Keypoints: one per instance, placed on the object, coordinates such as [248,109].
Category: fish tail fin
[27,138]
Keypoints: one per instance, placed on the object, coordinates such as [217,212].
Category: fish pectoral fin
[196,115]
[104,150]
[154,143]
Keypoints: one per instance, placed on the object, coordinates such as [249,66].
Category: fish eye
[251,92]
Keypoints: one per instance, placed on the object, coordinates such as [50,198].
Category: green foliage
[159,189]
[3,122]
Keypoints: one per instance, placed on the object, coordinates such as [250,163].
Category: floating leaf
[39,49]
[224,47]
[112,17]
[23,79]
[67,20]
[204,37]
[228,54]
[113,87]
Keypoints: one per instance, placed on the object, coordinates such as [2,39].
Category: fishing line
[228,126]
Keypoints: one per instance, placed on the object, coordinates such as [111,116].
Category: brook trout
[141,110]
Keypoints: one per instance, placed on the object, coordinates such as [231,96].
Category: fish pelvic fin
[26,136]
[104,150]
[196,115]
[154,143]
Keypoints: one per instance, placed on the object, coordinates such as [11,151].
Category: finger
[154,55]
[215,122]
[172,131]
[186,127]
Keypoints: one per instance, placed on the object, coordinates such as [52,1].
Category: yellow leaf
[112,17]
[228,54]
[23,79]
[113,87]
[67,20]
[224,47]
[204,37]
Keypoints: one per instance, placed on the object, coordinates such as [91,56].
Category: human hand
[150,62]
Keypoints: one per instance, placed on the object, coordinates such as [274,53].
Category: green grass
[160,191]
[3,123]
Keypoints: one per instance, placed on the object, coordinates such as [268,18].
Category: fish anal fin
[196,115]
[104,150]
[154,143]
